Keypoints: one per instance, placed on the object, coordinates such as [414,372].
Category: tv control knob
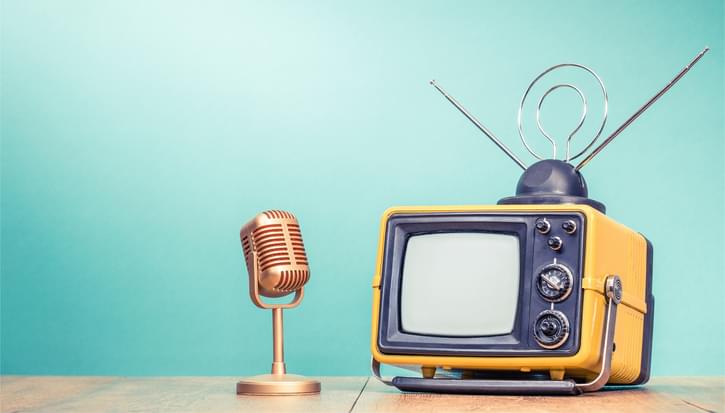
[555,243]
[569,226]
[551,329]
[554,282]
[543,226]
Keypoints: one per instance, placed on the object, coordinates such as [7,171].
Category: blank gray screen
[460,284]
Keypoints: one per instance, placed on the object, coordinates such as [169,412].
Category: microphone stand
[278,382]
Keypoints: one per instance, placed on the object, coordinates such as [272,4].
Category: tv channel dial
[551,329]
[554,282]
[543,226]
[555,243]
[569,226]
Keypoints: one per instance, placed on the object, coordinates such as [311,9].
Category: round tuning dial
[554,282]
[543,226]
[569,226]
[555,243]
[551,329]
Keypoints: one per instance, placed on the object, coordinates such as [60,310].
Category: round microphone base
[277,384]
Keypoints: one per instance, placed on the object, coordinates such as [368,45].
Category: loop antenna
[583,116]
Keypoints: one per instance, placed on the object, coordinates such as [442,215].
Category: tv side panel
[620,251]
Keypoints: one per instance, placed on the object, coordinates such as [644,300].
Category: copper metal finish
[278,384]
[255,293]
[277,266]
[281,260]
[278,366]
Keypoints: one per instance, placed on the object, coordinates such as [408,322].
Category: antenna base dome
[552,181]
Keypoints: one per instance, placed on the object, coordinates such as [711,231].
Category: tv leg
[428,372]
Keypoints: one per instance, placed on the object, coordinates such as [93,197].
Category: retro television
[542,293]
[499,296]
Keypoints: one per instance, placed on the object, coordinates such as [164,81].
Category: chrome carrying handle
[613,294]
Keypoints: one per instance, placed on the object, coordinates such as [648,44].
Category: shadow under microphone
[277,265]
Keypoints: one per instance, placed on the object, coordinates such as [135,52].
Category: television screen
[460,284]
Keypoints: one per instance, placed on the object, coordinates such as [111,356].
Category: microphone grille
[298,247]
[292,280]
[275,213]
[246,247]
[271,246]
[276,237]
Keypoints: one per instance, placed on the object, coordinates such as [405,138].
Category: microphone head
[276,239]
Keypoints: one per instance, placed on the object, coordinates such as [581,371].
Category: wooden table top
[339,394]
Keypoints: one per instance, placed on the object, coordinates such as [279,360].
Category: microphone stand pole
[278,367]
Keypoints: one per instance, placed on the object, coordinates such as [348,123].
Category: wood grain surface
[164,394]
[339,394]
[672,394]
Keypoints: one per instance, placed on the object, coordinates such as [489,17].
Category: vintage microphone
[277,266]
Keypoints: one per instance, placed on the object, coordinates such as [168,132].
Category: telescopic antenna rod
[641,110]
[478,124]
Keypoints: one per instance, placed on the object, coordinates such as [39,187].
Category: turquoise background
[137,137]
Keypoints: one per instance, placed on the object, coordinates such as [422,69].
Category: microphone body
[277,266]
[273,247]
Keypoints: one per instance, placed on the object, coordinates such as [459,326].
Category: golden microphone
[277,266]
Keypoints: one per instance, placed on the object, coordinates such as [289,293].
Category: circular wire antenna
[583,116]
